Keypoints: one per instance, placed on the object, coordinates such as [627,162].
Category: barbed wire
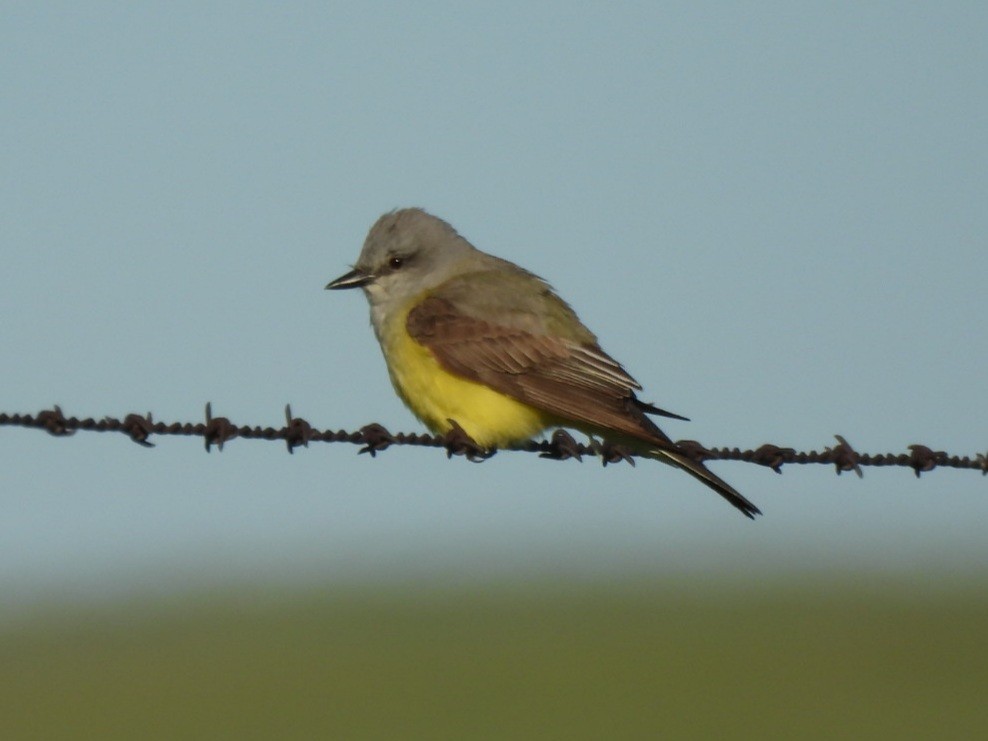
[374,438]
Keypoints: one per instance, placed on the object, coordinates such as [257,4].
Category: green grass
[525,662]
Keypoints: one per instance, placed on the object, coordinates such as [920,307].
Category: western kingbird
[476,340]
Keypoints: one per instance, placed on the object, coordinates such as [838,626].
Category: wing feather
[568,379]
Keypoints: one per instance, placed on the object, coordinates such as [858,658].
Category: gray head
[406,252]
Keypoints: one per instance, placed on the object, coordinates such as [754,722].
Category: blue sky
[773,215]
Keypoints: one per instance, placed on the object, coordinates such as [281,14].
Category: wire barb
[298,432]
[923,459]
[845,458]
[54,422]
[695,451]
[217,430]
[138,428]
[376,438]
[772,456]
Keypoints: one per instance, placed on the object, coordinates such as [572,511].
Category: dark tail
[699,472]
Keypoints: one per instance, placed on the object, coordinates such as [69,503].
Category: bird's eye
[395,262]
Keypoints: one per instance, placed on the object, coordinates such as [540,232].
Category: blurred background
[772,215]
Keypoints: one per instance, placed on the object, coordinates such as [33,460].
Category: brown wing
[574,381]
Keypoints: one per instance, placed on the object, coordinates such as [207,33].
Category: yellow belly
[435,395]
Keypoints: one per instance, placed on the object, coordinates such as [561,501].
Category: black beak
[354,279]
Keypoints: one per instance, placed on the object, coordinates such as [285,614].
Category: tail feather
[700,473]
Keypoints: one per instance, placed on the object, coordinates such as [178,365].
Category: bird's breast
[435,395]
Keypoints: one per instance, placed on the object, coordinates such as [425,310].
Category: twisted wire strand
[374,438]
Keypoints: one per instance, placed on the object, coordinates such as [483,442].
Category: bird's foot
[458,442]
[562,447]
[611,452]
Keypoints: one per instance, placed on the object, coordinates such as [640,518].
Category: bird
[475,342]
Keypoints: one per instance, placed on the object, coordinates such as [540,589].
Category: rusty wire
[374,438]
